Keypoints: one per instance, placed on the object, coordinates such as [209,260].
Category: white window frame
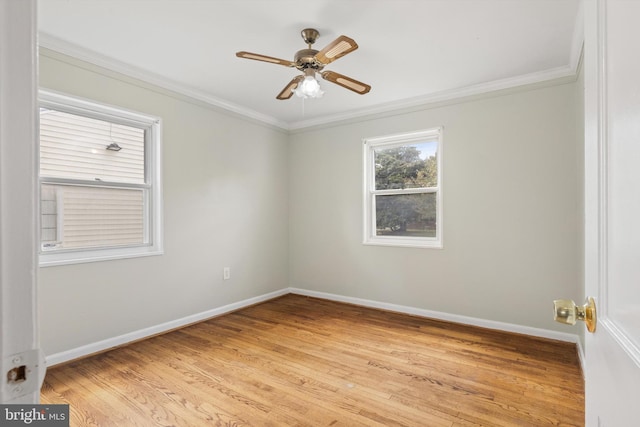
[370,193]
[153,180]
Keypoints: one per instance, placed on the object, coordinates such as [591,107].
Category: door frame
[19,343]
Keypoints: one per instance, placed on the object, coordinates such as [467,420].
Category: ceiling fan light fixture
[309,87]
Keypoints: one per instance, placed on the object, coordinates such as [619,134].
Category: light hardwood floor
[299,361]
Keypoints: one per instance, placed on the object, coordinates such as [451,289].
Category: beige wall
[512,212]
[286,210]
[225,204]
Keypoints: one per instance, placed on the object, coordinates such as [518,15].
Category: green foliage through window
[406,167]
[406,215]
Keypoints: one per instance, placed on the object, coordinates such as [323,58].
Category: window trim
[369,191]
[153,213]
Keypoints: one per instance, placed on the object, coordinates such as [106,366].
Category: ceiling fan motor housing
[305,59]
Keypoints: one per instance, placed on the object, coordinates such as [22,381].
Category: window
[100,186]
[403,189]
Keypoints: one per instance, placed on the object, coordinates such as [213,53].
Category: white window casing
[422,192]
[95,203]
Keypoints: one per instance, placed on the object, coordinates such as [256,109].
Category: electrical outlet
[226,273]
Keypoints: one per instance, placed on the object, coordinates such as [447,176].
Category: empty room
[345,213]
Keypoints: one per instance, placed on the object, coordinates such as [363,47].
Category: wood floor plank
[301,361]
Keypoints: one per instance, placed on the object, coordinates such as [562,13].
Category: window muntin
[402,190]
[97,203]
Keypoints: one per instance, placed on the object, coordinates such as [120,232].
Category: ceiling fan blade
[346,82]
[336,49]
[264,58]
[288,89]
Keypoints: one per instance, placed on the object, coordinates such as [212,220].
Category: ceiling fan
[311,62]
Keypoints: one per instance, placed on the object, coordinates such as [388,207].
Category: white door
[612,210]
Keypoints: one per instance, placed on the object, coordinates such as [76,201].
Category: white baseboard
[582,358]
[100,346]
[490,324]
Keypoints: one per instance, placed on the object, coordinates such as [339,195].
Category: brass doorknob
[566,311]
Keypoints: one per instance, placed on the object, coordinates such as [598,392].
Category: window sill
[79,257]
[404,242]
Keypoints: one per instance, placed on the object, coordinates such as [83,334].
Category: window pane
[75,147]
[411,215]
[407,166]
[89,217]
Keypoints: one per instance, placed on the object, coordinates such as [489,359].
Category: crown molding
[61,46]
[551,77]
[544,78]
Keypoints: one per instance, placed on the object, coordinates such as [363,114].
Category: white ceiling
[410,51]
